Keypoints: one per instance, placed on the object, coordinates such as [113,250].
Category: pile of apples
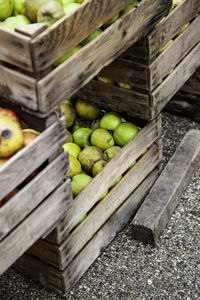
[94,138]
[12,139]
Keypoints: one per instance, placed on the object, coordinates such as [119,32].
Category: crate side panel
[18,88]
[31,157]
[80,68]
[29,197]
[71,30]
[162,95]
[34,226]
[15,49]
[174,53]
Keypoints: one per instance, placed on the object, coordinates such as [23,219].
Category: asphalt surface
[128,269]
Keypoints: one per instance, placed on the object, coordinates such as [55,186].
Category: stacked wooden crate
[154,68]
[187,100]
[36,89]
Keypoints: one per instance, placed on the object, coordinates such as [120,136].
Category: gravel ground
[128,269]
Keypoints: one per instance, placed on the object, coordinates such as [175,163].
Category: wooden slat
[192,86]
[28,159]
[174,53]
[79,69]
[72,29]
[15,49]
[62,282]
[83,233]
[31,30]
[122,70]
[157,208]
[18,88]
[86,199]
[113,94]
[60,256]
[166,30]
[32,228]
[167,89]
[19,206]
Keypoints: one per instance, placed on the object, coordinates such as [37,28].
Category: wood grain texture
[86,230]
[62,282]
[127,71]
[31,30]
[31,157]
[15,49]
[86,199]
[60,256]
[29,197]
[32,228]
[72,29]
[157,208]
[18,88]
[150,45]
[79,69]
[174,53]
[167,89]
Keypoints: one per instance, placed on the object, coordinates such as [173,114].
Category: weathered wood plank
[169,87]
[185,105]
[174,53]
[31,157]
[165,31]
[31,30]
[72,29]
[20,205]
[60,256]
[156,210]
[79,69]
[107,233]
[84,232]
[18,88]
[86,199]
[15,49]
[33,227]
[62,282]
[130,72]
[114,95]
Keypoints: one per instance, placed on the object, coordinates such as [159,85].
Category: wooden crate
[41,199]
[63,257]
[187,100]
[159,76]
[34,48]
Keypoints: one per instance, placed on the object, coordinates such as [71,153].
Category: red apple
[29,137]
[9,113]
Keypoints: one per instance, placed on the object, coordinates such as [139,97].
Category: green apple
[124,133]
[12,22]
[82,137]
[75,166]
[19,7]
[98,167]
[69,113]
[66,2]
[102,139]
[50,12]
[86,110]
[110,121]
[91,37]
[6,9]
[70,7]
[116,181]
[79,182]
[111,152]
[89,156]
[67,55]
[72,149]
[32,6]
